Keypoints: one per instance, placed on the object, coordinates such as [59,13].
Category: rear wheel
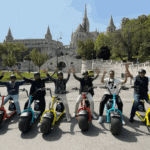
[1,118]
[83,123]
[24,124]
[115,125]
[46,125]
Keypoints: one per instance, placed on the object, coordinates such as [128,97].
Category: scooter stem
[114,100]
[84,99]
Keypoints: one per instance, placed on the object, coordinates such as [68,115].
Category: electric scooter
[114,116]
[11,108]
[141,108]
[84,113]
[28,115]
[50,116]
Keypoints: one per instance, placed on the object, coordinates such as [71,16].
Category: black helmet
[85,73]
[142,71]
[37,73]
[60,73]
[12,77]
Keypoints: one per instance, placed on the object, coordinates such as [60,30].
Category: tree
[18,49]
[102,47]
[85,49]
[38,58]
[9,59]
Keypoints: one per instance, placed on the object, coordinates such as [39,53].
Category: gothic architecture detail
[111,27]
[82,32]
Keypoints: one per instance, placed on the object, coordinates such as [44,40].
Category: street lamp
[58,48]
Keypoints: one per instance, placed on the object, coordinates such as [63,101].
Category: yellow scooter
[146,119]
[50,116]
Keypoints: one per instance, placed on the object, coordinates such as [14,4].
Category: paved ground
[66,135]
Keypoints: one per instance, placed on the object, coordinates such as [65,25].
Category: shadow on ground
[5,125]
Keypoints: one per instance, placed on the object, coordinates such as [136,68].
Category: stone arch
[61,65]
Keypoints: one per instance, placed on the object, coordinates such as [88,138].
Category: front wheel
[115,125]
[83,123]
[24,124]
[1,117]
[46,125]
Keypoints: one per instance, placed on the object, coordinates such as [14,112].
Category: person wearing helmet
[60,87]
[85,83]
[112,83]
[36,84]
[140,90]
[13,85]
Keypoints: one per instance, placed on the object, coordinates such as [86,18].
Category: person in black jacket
[85,83]
[140,90]
[36,84]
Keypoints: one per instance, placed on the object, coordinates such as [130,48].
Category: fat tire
[115,125]
[1,118]
[46,125]
[24,125]
[83,123]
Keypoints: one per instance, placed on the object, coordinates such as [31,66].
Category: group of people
[112,83]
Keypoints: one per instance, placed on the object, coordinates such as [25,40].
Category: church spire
[48,35]
[111,23]
[85,14]
[9,32]
[48,31]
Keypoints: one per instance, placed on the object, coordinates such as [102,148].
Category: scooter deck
[36,114]
[58,114]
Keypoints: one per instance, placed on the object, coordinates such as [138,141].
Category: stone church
[56,48]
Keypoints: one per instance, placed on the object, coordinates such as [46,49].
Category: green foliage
[27,75]
[85,49]
[9,59]
[17,49]
[38,58]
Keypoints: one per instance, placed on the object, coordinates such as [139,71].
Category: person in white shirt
[113,84]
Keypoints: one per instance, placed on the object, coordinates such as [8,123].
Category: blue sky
[30,18]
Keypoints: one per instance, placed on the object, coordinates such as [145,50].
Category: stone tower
[48,35]
[111,27]
[9,37]
[85,23]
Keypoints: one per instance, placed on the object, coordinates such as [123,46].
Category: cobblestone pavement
[67,135]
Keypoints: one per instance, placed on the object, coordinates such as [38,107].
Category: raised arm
[50,77]
[97,71]
[26,79]
[69,71]
[73,71]
[102,80]
[127,71]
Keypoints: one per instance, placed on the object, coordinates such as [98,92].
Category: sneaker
[74,115]
[100,120]
[94,117]
[131,119]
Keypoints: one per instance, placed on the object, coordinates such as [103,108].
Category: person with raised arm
[140,90]
[13,90]
[36,84]
[85,83]
[60,87]
[112,83]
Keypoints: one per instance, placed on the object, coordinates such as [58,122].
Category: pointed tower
[85,23]
[9,37]
[48,35]
[111,27]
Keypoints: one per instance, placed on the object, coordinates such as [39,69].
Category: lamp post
[58,48]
